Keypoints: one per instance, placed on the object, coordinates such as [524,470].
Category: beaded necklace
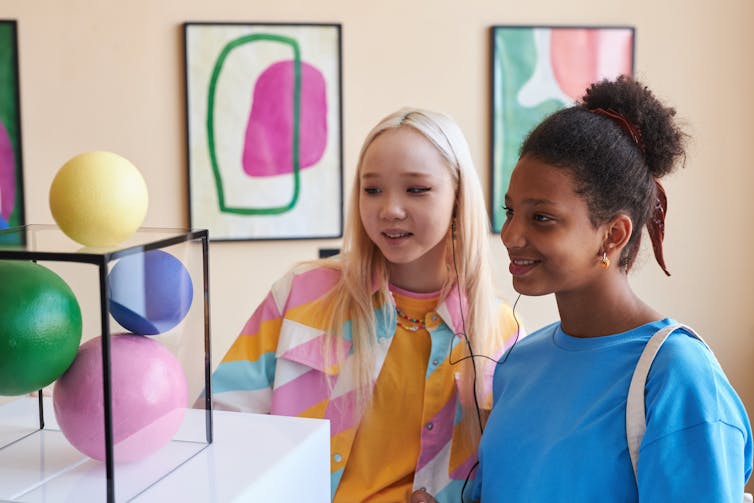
[418,324]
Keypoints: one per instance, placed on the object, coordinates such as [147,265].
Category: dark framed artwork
[537,70]
[264,130]
[11,179]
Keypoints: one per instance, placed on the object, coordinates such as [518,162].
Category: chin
[529,290]
[400,257]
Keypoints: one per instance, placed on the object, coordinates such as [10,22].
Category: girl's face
[552,244]
[406,202]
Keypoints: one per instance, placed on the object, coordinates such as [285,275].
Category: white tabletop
[253,458]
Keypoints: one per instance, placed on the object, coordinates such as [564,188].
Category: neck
[418,279]
[427,273]
[610,307]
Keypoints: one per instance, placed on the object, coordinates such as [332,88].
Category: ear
[617,233]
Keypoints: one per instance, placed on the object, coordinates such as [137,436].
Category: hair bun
[660,138]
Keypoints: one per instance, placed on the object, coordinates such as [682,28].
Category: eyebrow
[532,201]
[403,175]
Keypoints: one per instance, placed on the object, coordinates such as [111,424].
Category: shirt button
[423,488]
[338,458]
[430,426]
[435,362]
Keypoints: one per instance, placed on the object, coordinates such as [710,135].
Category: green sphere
[40,327]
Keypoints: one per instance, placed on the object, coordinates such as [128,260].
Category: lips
[521,266]
[396,234]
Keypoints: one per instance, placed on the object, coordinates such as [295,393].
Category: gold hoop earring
[604,262]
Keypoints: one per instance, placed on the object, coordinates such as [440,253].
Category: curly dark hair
[613,171]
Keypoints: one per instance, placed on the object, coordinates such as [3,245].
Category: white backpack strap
[636,419]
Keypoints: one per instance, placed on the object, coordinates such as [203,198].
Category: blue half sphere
[149,293]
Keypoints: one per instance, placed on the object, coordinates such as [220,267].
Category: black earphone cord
[471,356]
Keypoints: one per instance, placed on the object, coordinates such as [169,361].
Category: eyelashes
[536,217]
[410,190]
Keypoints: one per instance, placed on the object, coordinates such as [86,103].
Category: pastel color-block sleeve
[243,380]
[475,493]
[512,330]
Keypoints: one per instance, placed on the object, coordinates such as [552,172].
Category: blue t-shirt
[557,429]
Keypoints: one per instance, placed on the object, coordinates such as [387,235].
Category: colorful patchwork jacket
[276,366]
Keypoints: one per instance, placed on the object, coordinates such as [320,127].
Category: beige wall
[106,74]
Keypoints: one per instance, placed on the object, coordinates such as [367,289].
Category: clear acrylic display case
[37,462]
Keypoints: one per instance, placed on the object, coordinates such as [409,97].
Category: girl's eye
[371,190]
[508,211]
[542,218]
[418,190]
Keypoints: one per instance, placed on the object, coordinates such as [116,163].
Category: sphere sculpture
[98,198]
[149,293]
[40,327]
[149,396]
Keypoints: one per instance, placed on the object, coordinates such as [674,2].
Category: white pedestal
[253,458]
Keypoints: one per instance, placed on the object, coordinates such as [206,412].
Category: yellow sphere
[98,198]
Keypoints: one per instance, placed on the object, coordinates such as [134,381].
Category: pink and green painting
[537,71]
[11,188]
[264,130]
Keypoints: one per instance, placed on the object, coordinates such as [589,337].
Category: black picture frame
[536,70]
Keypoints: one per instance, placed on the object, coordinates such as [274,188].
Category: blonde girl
[376,339]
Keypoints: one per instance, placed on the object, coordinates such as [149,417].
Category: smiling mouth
[519,267]
[523,262]
[396,235]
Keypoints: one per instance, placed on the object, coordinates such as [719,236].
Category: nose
[512,233]
[392,208]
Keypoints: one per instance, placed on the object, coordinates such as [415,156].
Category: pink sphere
[149,397]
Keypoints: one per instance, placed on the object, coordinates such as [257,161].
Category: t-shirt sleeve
[705,462]
[698,445]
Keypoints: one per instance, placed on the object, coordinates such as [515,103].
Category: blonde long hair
[364,268]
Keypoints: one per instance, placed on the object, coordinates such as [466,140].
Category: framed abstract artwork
[11,179]
[537,70]
[264,130]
